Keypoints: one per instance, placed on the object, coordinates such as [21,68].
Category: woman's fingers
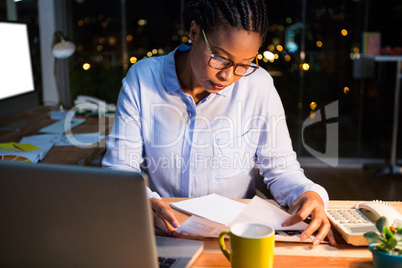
[310,204]
[164,220]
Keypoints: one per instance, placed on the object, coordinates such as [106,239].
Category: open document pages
[212,214]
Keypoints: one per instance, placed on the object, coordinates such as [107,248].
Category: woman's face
[237,45]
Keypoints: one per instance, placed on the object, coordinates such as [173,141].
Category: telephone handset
[353,223]
[91,103]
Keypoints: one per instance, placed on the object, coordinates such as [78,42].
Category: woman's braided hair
[250,15]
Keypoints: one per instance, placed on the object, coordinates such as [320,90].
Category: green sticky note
[26,147]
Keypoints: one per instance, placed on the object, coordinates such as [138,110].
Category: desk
[38,118]
[295,254]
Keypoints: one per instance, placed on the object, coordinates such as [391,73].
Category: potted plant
[386,247]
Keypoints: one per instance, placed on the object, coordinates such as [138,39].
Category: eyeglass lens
[221,63]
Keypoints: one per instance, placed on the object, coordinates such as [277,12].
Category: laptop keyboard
[165,262]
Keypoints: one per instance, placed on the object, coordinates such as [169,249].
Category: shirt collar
[172,81]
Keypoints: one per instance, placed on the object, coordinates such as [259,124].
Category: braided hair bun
[250,15]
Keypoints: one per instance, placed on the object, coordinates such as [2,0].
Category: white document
[62,126]
[197,226]
[262,211]
[42,138]
[257,211]
[33,156]
[212,207]
[45,148]
[81,139]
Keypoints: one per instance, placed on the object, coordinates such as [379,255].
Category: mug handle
[222,245]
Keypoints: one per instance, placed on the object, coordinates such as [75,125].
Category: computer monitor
[17,86]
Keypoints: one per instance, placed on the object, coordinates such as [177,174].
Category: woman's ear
[195,32]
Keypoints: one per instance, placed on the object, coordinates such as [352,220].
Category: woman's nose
[227,74]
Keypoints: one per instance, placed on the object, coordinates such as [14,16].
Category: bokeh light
[133,60]
[305,66]
[184,39]
[86,66]
[142,22]
[269,55]
[344,32]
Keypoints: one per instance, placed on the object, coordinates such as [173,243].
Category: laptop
[70,216]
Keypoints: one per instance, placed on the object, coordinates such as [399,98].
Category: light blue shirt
[191,150]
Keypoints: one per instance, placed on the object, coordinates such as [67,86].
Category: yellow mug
[251,245]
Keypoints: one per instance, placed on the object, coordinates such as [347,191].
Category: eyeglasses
[221,63]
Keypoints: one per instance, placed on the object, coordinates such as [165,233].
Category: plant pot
[383,259]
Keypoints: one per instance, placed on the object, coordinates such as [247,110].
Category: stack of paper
[212,207]
[62,126]
[28,152]
[81,139]
[213,214]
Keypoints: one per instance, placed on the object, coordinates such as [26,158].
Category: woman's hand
[164,221]
[310,203]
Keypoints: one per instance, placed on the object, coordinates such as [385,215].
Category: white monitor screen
[16,76]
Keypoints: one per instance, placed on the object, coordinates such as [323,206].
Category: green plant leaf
[381,222]
[381,247]
[387,232]
[392,243]
[372,237]
[383,240]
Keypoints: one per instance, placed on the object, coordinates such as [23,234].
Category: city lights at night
[86,66]
[313,52]
[344,32]
[305,66]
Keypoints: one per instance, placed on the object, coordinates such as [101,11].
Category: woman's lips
[218,86]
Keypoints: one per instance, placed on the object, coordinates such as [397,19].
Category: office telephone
[94,104]
[353,223]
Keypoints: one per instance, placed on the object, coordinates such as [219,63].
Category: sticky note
[26,147]
[8,144]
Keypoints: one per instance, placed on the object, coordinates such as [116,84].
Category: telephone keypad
[347,216]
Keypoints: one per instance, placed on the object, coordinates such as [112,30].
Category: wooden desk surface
[38,118]
[295,254]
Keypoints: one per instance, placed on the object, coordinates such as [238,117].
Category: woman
[199,120]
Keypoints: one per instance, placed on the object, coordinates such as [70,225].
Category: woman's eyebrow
[230,55]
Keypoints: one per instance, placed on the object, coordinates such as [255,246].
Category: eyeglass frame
[212,55]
